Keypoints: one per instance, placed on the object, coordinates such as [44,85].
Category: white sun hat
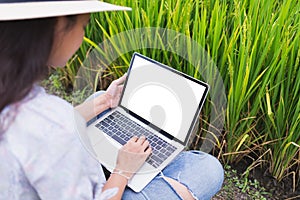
[31,9]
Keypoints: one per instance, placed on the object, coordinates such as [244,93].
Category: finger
[121,79]
[133,139]
[145,144]
[120,88]
[148,150]
[141,140]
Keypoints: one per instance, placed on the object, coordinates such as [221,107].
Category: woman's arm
[109,99]
[116,181]
[130,158]
[93,107]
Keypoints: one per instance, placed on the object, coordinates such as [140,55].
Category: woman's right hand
[133,155]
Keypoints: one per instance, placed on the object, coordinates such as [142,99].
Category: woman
[40,155]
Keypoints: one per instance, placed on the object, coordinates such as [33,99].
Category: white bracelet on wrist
[121,173]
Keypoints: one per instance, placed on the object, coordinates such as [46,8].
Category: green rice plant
[281,103]
[267,56]
[253,43]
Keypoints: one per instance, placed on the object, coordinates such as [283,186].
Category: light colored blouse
[41,156]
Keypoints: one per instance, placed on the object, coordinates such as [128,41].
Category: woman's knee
[200,172]
[212,170]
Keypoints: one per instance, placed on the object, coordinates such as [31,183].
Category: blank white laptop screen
[166,99]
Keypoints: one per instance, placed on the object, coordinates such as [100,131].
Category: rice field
[247,50]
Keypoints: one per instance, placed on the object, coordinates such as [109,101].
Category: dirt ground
[265,186]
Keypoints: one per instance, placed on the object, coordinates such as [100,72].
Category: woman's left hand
[109,99]
[114,91]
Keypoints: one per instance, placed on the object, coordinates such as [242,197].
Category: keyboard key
[118,139]
[170,149]
[149,161]
[156,158]
[155,152]
[147,133]
[111,117]
[104,124]
[114,130]
[168,153]
[162,156]
[106,120]
[110,133]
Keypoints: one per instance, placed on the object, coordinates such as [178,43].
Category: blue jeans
[200,172]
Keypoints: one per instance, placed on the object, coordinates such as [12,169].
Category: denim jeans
[200,172]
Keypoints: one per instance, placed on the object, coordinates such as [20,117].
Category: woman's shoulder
[43,109]
[41,103]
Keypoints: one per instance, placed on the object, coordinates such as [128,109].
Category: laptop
[158,102]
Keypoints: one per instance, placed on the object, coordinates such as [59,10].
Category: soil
[280,190]
[274,190]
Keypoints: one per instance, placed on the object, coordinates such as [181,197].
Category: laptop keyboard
[121,128]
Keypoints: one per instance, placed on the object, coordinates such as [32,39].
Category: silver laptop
[158,102]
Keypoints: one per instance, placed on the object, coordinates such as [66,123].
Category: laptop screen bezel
[201,102]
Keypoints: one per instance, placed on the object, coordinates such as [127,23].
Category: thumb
[121,79]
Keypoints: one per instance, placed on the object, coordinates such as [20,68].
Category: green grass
[237,187]
[253,43]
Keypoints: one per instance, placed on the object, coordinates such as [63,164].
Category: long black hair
[24,52]
[25,47]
